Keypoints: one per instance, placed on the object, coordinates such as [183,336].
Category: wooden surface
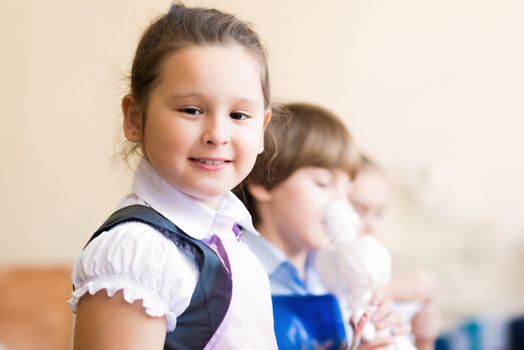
[33,309]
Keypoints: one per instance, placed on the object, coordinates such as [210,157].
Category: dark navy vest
[212,295]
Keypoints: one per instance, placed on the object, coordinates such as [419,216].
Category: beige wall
[432,89]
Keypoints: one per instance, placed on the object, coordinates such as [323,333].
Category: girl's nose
[215,131]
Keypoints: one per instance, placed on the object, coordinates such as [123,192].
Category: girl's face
[369,196]
[295,208]
[205,120]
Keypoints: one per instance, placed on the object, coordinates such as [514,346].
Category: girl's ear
[132,119]
[267,119]
[259,192]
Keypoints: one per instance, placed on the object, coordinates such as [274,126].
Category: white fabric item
[137,259]
[342,221]
[354,269]
[353,266]
[247,325]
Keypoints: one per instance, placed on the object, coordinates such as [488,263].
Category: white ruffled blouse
[140,261]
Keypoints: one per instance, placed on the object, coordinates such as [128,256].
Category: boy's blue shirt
[311,318]
[283,276]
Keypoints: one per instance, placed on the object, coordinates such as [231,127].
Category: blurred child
[288,205]
[170,259]
[369,196]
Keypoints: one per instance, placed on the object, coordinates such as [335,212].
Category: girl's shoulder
[138,259]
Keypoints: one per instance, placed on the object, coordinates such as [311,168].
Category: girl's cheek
[249,144]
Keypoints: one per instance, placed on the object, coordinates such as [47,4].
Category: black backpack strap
[212,295]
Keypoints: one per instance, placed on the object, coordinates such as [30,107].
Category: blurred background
[432,90]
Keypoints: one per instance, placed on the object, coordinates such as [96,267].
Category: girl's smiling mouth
[210,163]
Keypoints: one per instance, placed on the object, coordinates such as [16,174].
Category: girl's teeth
[210,162]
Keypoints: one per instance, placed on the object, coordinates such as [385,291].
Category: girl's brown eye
[238,116]
[189,110]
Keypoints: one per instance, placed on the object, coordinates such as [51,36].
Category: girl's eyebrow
[183,96]
[247,101]
[240,100]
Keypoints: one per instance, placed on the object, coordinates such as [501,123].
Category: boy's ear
[132,119]
[259,192]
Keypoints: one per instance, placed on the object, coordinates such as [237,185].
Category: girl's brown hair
[313,136]
[181,28]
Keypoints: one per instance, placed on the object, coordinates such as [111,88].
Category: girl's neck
[211,203]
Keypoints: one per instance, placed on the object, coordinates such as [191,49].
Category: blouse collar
[190,215]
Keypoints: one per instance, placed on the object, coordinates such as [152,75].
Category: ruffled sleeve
[135,258]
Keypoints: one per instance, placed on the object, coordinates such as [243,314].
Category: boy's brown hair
[312,136]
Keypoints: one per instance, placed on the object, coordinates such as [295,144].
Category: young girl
[171,260]
[312,171]
[370,196]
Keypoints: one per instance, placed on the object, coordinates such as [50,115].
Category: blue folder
[307,322]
